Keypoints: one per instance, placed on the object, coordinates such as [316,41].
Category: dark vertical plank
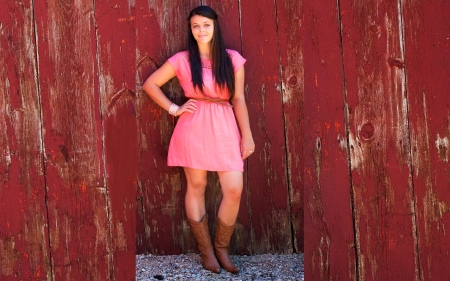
[77,197]
[379,140]
[24,249]
[290,34]
[160,31]
[329,239]
[116,45]
[427,61]
[268,192]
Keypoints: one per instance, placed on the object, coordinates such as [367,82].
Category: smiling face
[202,29]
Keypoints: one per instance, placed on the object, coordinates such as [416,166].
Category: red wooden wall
[349,107]
[376,113]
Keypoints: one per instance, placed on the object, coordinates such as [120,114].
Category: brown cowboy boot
[221,243]
[201,233]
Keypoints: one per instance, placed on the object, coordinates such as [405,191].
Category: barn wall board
[291,65]
[77,196]
[267,175]
[329,245]
[380,158]
[24,234]
[427,59]
[116,57]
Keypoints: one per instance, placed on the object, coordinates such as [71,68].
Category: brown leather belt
[223,102]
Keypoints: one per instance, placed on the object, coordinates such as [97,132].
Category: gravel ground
[189,267]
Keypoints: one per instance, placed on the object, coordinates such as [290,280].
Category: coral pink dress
[209,138]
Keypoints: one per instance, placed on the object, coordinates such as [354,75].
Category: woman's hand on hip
[188,106]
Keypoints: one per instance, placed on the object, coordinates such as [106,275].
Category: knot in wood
[292,80]
[394,62]
[366,132]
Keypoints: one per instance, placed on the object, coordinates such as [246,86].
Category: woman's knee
[197,185]
[232,192]
[232,185]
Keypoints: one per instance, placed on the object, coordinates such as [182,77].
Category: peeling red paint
[70,112]
[24,250]
[329,232]
[429,107]
[119,135]
[380,159]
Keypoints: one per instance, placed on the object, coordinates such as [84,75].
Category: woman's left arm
[241,112]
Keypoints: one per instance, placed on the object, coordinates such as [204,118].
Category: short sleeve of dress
[179,62]
[236,59]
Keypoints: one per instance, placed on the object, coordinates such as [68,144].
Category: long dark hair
[222,68]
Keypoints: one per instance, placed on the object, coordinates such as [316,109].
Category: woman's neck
[205,51]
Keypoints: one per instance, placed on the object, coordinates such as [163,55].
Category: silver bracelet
[173,109]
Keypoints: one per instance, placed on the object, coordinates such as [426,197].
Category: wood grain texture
[116,58]
[161,219]
[267,176]
[77,195]
[427,60]
[329,238]
[290,31]
[379,139]
[24,248]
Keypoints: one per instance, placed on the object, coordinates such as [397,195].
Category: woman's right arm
[152,87]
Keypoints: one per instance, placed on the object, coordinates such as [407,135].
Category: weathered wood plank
[289,19]
[162,203]
[267,179]
[77,198]
[427,61]
[116,46]
[329,239]
[379,140]
[24,249]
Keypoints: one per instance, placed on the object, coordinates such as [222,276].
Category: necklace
[206,64]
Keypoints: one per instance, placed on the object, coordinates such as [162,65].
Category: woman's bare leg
[195,193]
[195,212]
[232,185]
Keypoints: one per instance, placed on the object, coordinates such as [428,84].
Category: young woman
[207,137]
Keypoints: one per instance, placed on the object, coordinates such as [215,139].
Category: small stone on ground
[189,267]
